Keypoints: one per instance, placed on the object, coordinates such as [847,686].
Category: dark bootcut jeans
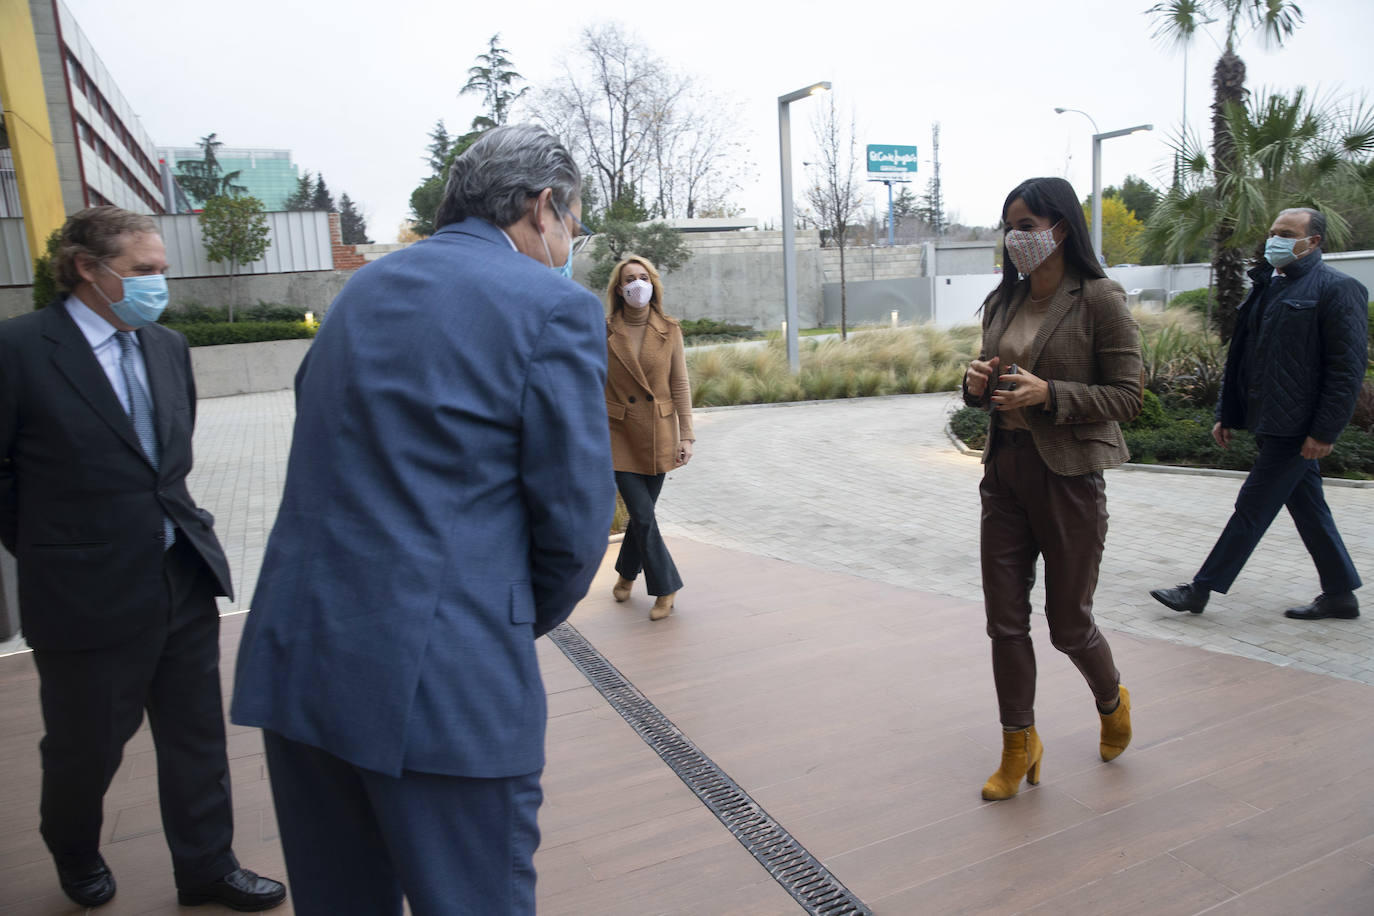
[1030,512]
[643,547]
[1280,477]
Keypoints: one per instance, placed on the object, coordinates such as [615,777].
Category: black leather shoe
[88,887]
[1341,605]
[240,890]
[1186,597]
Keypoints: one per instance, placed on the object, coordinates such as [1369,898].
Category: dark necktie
[141,413]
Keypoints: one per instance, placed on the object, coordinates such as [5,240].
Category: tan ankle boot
[1116,728]
[1021,754]
[621,590]
[663,606]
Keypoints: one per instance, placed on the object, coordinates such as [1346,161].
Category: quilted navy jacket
[1310,355]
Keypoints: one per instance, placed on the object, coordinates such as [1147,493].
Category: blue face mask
[566,269]
[1279,250]
[145,299]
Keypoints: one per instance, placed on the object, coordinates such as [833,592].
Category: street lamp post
[1098,137]
[789,228]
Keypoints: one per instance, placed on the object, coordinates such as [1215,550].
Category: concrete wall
[313,290]
[246,368]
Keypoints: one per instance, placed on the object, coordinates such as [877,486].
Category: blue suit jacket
[447,500]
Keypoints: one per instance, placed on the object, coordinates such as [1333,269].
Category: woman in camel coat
[649,406]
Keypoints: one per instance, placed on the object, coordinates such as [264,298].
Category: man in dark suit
[1293,373]
[447,501]
[118,568]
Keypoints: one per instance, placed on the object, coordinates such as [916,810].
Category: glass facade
[268,174]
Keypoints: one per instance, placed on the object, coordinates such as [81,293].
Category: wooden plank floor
[862,717]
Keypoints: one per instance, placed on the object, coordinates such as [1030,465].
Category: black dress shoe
[1341,605]
[1186,597]
[88,886]
[240,890]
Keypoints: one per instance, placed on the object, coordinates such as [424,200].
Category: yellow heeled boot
[1021,754]
[663,606]
[621,590]
[1116,728]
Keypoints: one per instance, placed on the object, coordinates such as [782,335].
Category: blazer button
[632,399]
[648,397]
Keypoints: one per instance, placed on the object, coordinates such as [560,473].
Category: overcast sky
[352,88]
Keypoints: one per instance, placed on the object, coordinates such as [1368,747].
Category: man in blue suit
[447,501]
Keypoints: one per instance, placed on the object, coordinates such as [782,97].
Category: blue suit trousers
[357,840]
[1280,477]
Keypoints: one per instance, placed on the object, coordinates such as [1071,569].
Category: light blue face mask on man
[145,299]
[574,246]
[1279,250]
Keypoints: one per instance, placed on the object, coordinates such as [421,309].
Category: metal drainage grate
[800,874]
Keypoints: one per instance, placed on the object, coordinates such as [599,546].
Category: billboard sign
[888,159]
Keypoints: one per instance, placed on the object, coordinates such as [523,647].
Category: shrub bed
[1183,436]
[208,334]
[910,360]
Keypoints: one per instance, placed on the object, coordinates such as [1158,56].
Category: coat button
[648,397]
[632,399]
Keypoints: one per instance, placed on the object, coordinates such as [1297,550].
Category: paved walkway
[874,488]
[841,680]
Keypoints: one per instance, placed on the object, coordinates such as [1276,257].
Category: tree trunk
[1228,262]
[233,275]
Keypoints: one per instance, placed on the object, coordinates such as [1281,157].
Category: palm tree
[1284,151]
[1177,23]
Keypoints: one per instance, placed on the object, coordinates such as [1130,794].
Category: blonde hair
[617,301]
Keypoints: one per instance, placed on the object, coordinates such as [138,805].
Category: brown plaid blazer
[1089,350]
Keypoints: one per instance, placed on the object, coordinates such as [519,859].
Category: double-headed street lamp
[1098,137]
[789,228]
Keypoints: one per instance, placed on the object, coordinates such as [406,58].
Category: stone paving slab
[875,488]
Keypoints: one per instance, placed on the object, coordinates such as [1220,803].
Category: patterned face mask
[1028,248]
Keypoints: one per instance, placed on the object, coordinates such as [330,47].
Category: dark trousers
[1280,477]
[93,702]
[1030,512]
[642,546]
[356,841]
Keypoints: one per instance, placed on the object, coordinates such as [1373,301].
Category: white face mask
[637,293]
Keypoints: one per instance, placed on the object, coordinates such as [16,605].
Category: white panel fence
[299,241]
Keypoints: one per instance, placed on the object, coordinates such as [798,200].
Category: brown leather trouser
[1030,512]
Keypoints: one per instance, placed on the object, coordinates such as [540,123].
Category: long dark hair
[1054,199]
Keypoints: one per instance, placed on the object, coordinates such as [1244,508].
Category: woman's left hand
[684,452]
[1027,390]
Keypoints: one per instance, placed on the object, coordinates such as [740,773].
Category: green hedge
[709,327]
[195,313]
[209,334]
[1184,437]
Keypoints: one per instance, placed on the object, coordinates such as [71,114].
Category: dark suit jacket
[1088,347]
[80,506]
[447,500]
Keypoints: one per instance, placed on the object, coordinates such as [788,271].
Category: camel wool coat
[646,421]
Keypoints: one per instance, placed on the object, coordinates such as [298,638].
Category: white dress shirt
[100,334]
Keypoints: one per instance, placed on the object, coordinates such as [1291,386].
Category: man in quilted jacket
[1294,370]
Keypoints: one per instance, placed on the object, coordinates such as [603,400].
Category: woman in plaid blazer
[1060,368]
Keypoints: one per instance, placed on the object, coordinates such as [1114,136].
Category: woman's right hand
[980,374]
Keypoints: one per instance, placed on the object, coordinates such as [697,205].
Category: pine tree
[352,225]
[322,199]
[303,197]
[493,78]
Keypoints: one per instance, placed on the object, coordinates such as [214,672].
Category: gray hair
[98,233]
[496,176]
[1316,220]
